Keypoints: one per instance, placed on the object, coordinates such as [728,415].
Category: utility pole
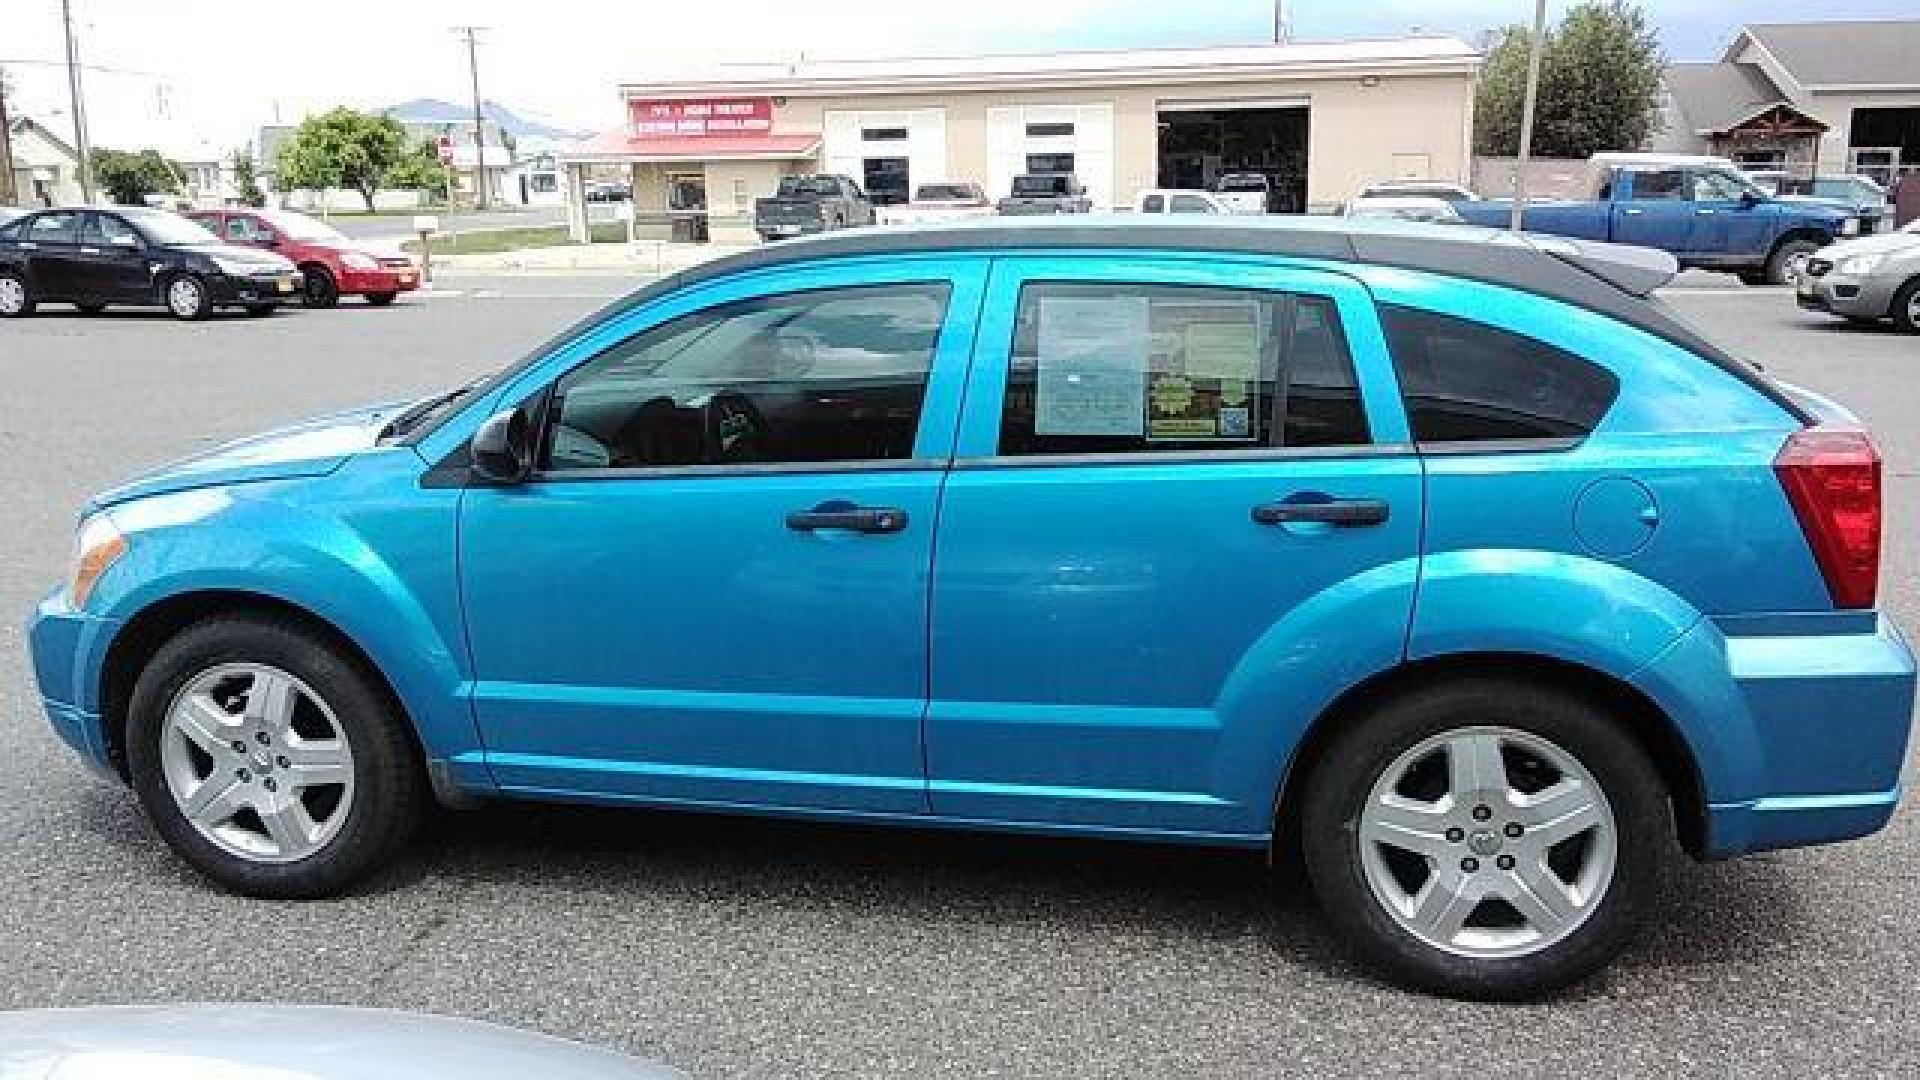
[8,196]
[472,34]
[1519,215]
[79,106]
[1281,31]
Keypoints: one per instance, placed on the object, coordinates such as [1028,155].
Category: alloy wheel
[13,295]
[185,297]
[257,763]
[1488,842]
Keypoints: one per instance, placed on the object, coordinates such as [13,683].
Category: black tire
[319,290]
[258,311]
[1780,263]
[91,307]
[381,299]
[26,302]
[1906,307]
[199,309]
[1341,783]
[389,790]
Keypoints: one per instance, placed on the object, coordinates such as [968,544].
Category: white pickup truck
[1244,192]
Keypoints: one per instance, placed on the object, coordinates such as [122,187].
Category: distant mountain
[435,111]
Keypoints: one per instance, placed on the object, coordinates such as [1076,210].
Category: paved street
[756,949]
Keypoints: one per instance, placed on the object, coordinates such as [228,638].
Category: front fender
[377,567]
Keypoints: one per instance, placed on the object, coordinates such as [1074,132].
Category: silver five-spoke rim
[183,296]
[257,763]
[1913,306]
[13,296]
[1488,842]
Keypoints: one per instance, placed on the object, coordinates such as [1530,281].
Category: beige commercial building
[1319,119]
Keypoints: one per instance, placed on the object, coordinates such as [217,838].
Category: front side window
[1717,187]
[1465,381]
[1106,369]
[832,375]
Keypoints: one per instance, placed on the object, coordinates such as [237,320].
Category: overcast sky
[212,71]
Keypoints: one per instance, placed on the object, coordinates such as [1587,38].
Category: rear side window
[1465,381]
[1142,369]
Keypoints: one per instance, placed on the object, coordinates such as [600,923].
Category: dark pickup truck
[819,202]
[1700,210]
[1046,193]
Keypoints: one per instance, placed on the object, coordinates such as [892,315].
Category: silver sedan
[1867,279]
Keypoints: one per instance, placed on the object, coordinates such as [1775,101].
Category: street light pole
[472,33]
[8,196]
[1526,116]
[79,105]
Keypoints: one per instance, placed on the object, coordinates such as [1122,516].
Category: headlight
[1860,264]
[357,261]
[1850,227]
[98,546]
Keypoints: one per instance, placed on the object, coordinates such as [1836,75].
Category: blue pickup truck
[1702,210]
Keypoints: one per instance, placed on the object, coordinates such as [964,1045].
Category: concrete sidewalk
[642,257]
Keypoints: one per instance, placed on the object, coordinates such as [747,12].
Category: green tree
[341,148]
[1599,84]
[245,181]
[420,170]
[130,177]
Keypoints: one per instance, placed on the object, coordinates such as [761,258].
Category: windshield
[946,193]
[300,226]
[1039,185]
[161,227]
[1243,182]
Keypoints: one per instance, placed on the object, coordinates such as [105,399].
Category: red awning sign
[697,118]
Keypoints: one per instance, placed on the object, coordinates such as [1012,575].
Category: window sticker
[1203,371]
[1092,365]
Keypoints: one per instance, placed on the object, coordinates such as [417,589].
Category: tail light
[1832,478]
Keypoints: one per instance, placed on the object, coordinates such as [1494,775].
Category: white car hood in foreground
[290,1042]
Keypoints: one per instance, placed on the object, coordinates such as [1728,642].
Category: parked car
[1419,189]
[1403,208]
[1038,194]
[1563,579]
[8,213]
[940,202]
[331,265]
[246,1041]
[1868,279]
[1858,195]
[136,256]
[1245,192]
[1176,201]
[811,203]
[1700,210]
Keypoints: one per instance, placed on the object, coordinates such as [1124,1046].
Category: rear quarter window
[1464,381]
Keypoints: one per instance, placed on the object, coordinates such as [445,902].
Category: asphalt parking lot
[747,948]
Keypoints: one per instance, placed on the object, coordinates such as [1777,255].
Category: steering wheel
[732,429]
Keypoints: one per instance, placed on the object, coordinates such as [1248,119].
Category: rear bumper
[1804,742]
[67,648]
[383,280]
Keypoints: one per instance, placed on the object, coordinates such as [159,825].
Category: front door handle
[1706,211]
[846,517]
[1633,211]
[1343,513]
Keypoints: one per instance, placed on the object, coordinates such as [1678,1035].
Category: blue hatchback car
[1442,560]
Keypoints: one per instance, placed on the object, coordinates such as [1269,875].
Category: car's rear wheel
[319,290]
[1906,307]
[1486,838]
[1788,261]
[381,299]
[16,296]
[269,760]
[186,298]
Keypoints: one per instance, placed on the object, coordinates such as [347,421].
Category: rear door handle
[846,517]
[1342,513]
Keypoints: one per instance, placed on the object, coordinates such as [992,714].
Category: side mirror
[501,452]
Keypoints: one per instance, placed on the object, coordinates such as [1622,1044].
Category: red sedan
[334,264]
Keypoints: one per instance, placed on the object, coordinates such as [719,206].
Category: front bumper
[1840,294]
[229,290]
[68,648]
[1798,724]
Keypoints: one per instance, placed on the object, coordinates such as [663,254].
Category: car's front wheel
[1906,307]
[319,289]
[187,299]
[1487,838]
[270,760]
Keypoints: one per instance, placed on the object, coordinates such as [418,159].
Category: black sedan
[134,255]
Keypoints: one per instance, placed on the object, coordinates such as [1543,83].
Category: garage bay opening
[1202,141]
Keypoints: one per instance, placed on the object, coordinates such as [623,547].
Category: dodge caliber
[1441,560]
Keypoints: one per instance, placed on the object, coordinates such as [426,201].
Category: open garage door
[1202,140]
